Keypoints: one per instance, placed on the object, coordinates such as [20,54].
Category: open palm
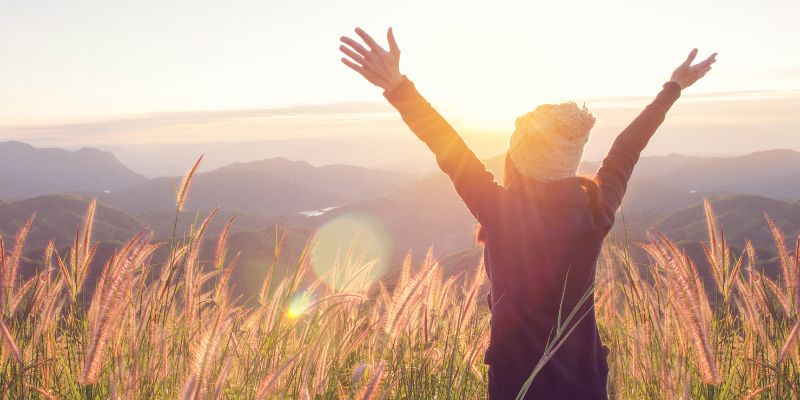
[378,66]
[687,74]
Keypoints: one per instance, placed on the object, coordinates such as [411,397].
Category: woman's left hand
[687,74]
[378,66]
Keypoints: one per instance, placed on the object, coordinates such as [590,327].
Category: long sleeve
[617,167]
[472,181]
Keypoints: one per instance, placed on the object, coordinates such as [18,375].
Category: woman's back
[540,256]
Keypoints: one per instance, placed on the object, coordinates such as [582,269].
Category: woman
[542,230]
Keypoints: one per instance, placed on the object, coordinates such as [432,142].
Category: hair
[514,181]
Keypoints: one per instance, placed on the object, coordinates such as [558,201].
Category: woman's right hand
[378,66]
[687,74]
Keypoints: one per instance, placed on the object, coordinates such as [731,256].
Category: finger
[355,45]
[393,48]
[353,66]
[691,57]
[352,54]
[373,45]
[703,72]
[699,68]
[708,61]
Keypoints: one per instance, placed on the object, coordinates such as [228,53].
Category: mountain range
[27,172]
[269,188]
[418,212]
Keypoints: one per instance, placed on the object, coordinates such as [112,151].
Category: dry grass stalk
[690,301]
[469,304]
[222,244]
[789,267]
[358,373]
[9,266]
[372,389]
[396,314]
[8,340]
[46,394]
[268,385]
[205,355]
[109,304]
[221,379]
[790,342]
[183,189]
[190,282]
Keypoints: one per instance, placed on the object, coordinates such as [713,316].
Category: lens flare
[299,305]
[351,252]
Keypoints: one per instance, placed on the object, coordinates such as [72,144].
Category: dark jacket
[538,247]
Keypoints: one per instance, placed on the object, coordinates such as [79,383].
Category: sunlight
[351,252]
[431,200]
[299,304]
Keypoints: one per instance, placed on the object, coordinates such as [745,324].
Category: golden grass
[173,330]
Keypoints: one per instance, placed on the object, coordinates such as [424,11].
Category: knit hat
[547,143]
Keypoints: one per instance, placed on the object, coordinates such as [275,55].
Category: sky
[128,75]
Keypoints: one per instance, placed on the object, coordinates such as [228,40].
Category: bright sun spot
[351,252]
[299,305]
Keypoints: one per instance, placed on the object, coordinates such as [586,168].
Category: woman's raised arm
[617,167]
[474,184]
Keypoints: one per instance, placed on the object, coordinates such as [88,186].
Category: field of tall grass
[173,329]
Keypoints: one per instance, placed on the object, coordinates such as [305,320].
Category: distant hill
[271,187]
[665,184]
[59,216]
[740,216]
[669,183]
[343,181]
[773,173]
[652,165]
[26,171]
[246,191]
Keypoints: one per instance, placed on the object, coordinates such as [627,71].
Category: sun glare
[351,252]
[299,305]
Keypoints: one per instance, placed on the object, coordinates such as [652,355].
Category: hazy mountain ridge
[26,171]
[339,180]
[742,217]
[271,187]
[417,212]
[772,173]
[59,216]
[248,191]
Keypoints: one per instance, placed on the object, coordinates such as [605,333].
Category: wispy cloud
[344,119]
[710,123]
[199,126]
[710,97]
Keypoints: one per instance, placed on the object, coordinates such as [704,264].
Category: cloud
[191,125]
[699,123]
[711,97]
